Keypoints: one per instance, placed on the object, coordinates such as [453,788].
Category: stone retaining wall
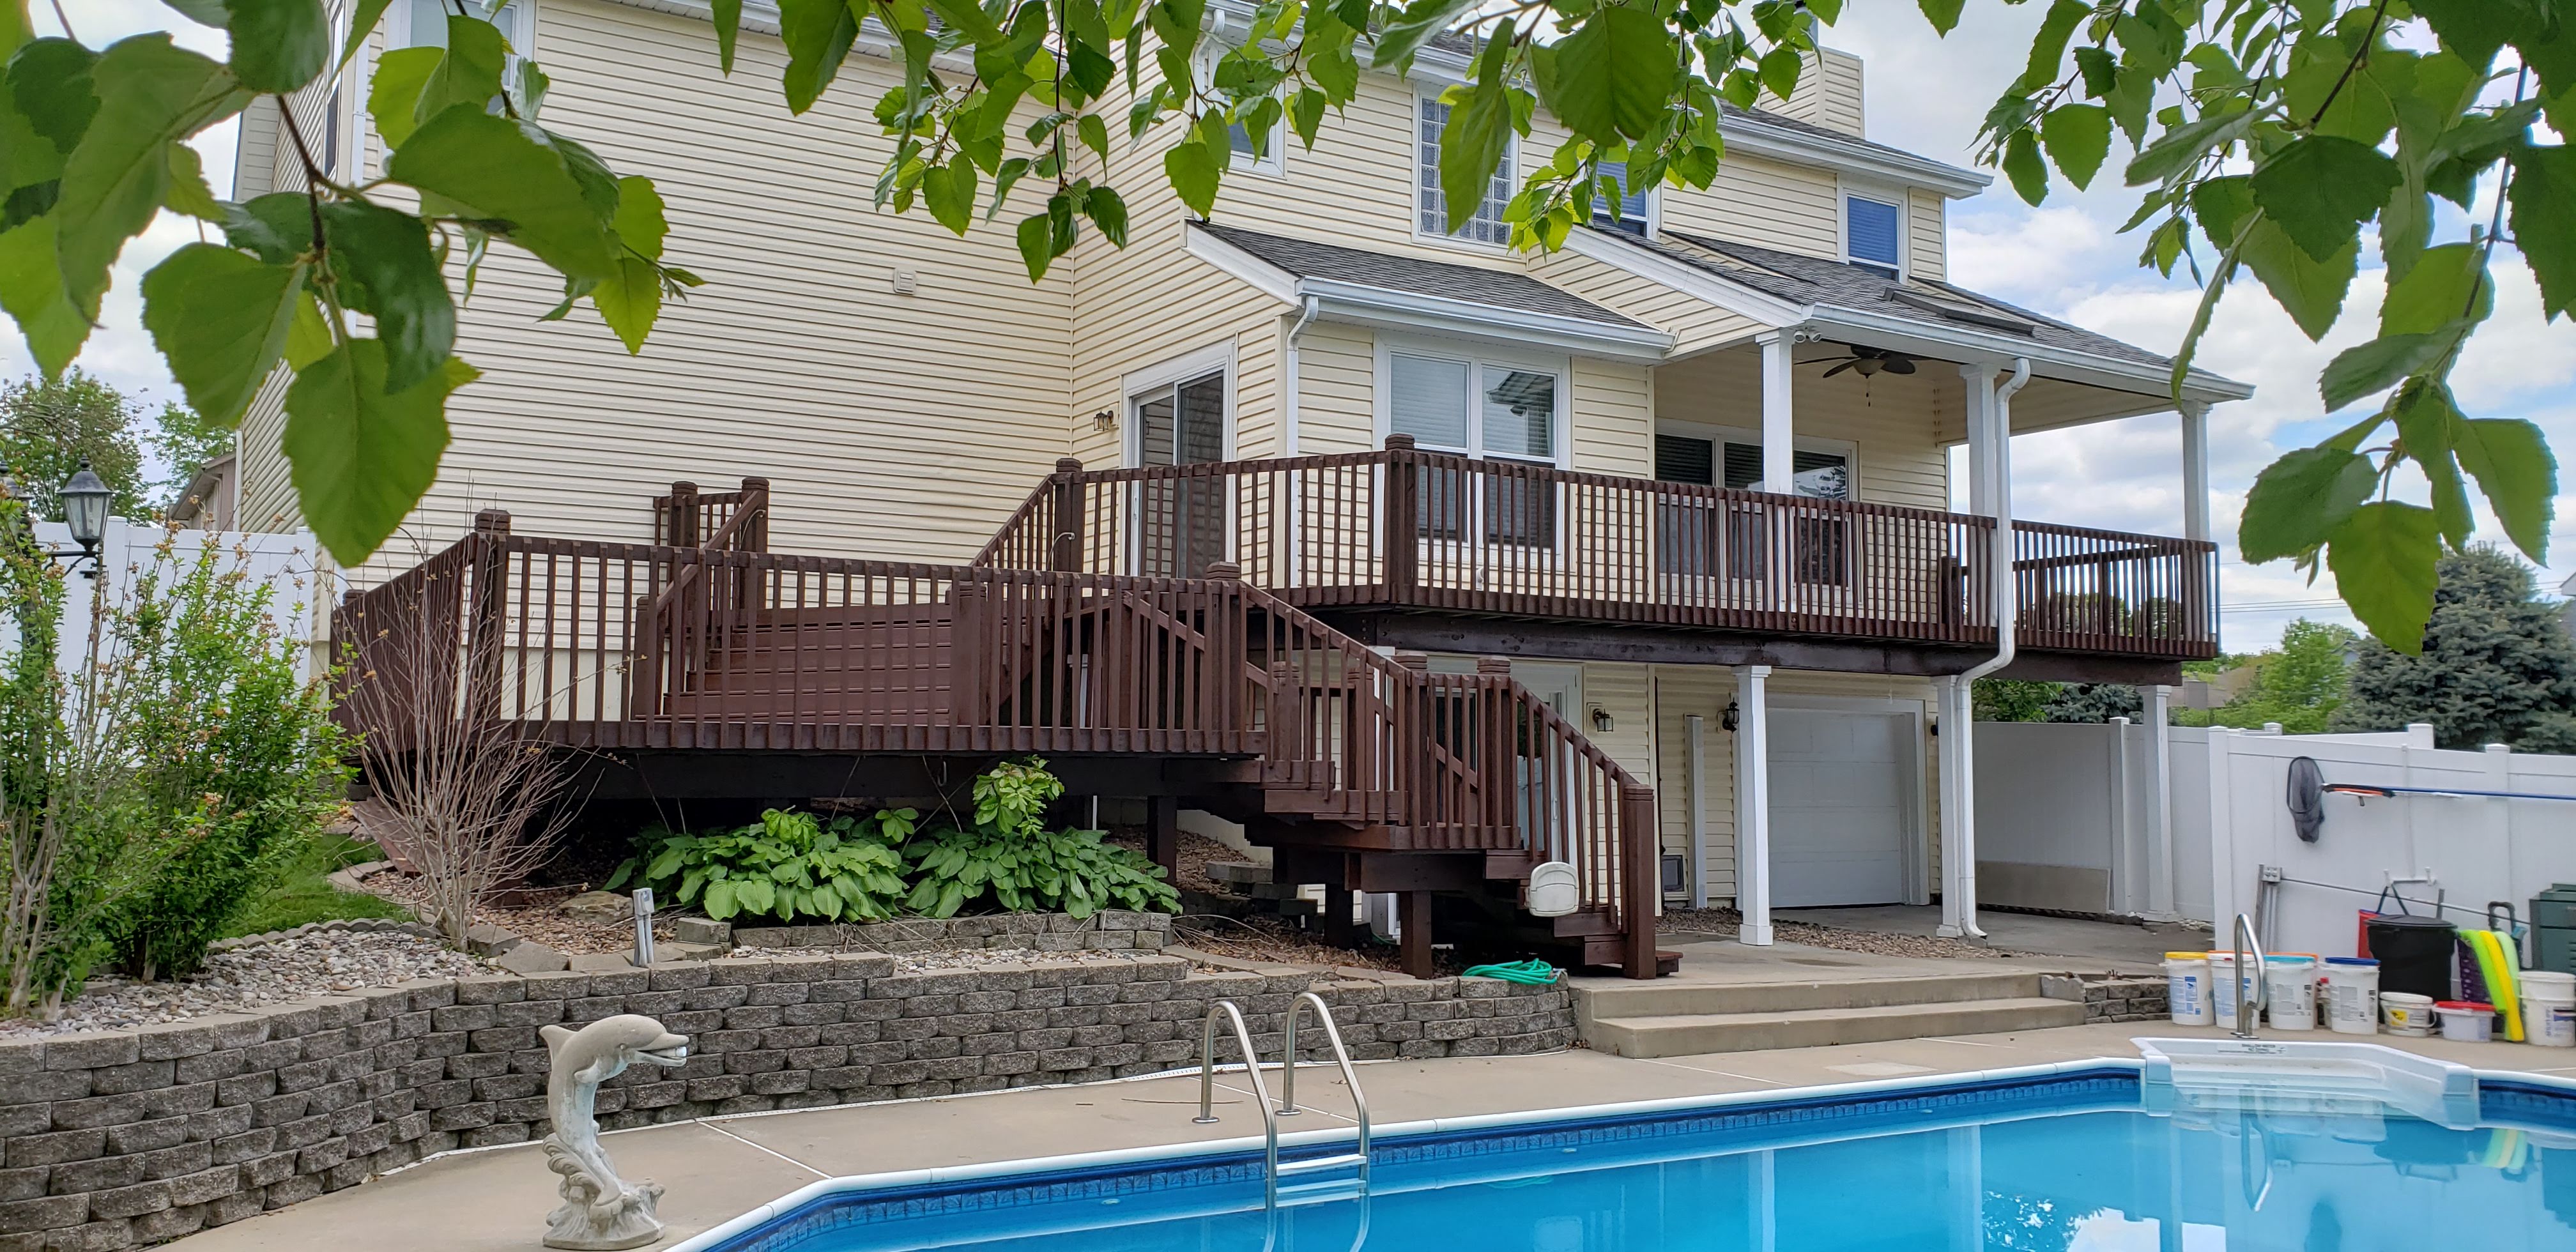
[1110,930]
[114,1139]
[2112,997]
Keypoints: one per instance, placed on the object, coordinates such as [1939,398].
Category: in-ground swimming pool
[2056,1160]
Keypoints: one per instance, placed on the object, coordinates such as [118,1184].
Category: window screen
[1870,233]
[1682,459]
[1427,399]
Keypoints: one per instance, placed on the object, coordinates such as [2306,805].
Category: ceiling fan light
[1867,366]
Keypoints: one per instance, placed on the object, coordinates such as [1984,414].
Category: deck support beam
[1753,804]
[1414,943]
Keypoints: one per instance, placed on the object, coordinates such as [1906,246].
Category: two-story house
[1686,482]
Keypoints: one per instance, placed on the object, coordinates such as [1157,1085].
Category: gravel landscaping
[1724,922]
[320,962]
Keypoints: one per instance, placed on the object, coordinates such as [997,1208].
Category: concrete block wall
[110,1140]
[1110,930]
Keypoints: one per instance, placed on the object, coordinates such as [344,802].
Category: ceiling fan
[1871,362]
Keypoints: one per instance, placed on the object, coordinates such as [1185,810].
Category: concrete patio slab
[495,1201]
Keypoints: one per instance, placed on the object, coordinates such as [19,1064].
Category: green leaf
[393,99]
[278,45]
[1034,234]
[640,223]
[1472,144]
[2022,165]
[1108,212]
[1194,169]
[51,81]
[362,22]
[31,289]
[220,319]
[361,457]
[2513,466]
[949,191]
[2079,137]
[1943,14]
[188,193]
[496,171]
[2184,145]
[2311,290]
[2321,188]
[151,95]
[2297,501]
[308,339]
[2426,419]
[720,900]
[2382,557]
[470,73]
[2544,185]
[2364,368]
[2445,285]
[1613,78]
[728,19]
[818,34]
[1414,27]
[386,253]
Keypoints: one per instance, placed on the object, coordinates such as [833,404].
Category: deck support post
[1753,804]
[754,535]
[489,615]
[2158,700]
[1414,944]
[1779,460]
[1641,855]
[1399,519]
[1339,929]
[1163,835]
[1065,554]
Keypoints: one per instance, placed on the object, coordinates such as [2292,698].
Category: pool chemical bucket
[2415,954]
[2226,987]
[2349,987]
[2466,1021]
[2187,988]
[2290,984]
[2406,1013]
[2549,1008]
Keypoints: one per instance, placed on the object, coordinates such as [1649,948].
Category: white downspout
[1291,384]
[1959,893]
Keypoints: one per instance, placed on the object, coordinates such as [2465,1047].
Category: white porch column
[1979,383]
[1696,731]
[1779,472]
[1753,803]
[2160,857]
[2195,469]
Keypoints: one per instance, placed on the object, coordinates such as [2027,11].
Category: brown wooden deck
[1404,530]
[1317,742]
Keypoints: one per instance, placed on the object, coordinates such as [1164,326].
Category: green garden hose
[1529,973]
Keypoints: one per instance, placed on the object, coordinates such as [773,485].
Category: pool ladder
[1271,1168]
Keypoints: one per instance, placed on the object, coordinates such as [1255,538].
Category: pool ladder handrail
[1271,1169]
[2249,1008]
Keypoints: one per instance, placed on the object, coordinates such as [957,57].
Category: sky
[1926,94]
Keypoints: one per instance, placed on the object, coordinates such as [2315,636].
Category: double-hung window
[1873,235]
[1631,203]
[1700,538]
[1503,413]
[1487,224]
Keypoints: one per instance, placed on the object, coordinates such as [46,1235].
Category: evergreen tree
[2497,665]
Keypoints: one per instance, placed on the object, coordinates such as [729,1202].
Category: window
[1487,226]
[1871,236]
[425,25]
[1498,412]
[1703,537]
[1633,203]
[1181,520]
[1271,158]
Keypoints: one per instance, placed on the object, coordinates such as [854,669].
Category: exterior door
[1839,810]
[1182,519]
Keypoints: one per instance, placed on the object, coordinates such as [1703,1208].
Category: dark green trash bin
[2553,928]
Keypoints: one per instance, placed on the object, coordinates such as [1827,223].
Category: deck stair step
[1665,1019]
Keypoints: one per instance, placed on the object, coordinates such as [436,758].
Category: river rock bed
[315,963]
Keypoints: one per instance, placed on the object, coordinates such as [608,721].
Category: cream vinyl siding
[1828,94]
[1927,244]
[1893,422]
[1694,324]
[1756,200]
[892,427]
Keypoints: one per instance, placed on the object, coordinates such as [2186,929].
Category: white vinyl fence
[285,563]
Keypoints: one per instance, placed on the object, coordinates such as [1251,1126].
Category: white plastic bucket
[2407,1014]
[2547,986]
[2225,989]
[2290,983]
[2549,1024]
[2464,1022]
[2187,988]
[2351,993]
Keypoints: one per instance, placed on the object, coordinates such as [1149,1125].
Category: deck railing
[1410,529]
[735,521]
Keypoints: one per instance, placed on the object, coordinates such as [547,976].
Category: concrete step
[1675,999]
[1693,1034]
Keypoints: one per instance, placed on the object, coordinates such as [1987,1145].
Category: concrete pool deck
[494,1200]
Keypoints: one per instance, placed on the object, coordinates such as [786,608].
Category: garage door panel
[1840,784]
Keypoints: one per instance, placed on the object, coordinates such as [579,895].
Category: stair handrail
[1260,1092]
[1341,1058]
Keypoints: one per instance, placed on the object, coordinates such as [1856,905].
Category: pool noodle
[2496,969]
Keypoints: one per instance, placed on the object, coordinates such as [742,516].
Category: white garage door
[1839,810]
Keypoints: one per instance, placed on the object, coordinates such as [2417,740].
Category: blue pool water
[2068,1164]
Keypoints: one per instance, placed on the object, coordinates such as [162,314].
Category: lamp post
[85,500]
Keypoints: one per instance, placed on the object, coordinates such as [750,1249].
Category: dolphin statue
[600,1211]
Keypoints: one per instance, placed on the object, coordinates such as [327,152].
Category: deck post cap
[1399,443]
[1068,465]
[1224,571]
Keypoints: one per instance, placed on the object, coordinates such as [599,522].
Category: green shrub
[785,866]
[1012,859]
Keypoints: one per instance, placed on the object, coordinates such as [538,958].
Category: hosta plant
[1012,859]
[788,865]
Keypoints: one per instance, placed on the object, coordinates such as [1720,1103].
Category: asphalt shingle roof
[1502,289]
[1816,280]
